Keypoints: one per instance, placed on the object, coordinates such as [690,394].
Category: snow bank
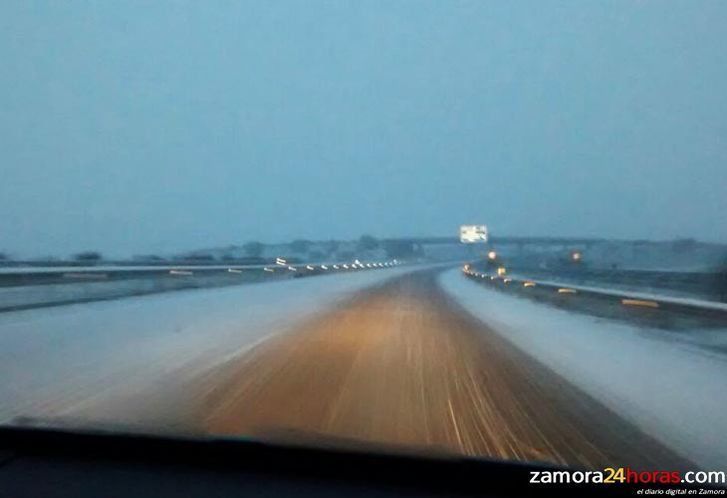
[673,391]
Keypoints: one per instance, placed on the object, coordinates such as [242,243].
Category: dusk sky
[137,127]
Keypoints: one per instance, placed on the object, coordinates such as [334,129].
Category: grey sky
[132,127]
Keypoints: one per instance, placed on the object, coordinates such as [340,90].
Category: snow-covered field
[60,361]
[674,391]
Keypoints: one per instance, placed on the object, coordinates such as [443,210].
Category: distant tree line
[720,281]
[367,243]
[300,245]
[88,257]
[253,249]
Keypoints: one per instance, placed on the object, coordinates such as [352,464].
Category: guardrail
[709,285]
[27,288]
[652,309]
[13,276]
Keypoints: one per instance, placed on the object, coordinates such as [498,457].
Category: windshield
[441,227]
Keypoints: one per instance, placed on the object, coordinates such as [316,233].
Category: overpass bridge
[518,241]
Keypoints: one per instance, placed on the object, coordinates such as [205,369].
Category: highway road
[403,365]
[390,362]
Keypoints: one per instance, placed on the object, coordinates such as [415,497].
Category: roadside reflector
[179,272]
[640,302]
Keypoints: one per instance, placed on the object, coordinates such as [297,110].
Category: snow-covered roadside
[674,392]
[59,361]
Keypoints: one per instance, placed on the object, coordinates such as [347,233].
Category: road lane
[388,360]
[114,361]
[402,365]
[668,384]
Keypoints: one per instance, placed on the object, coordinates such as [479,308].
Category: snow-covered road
[673,391]
[61,362]
[125,361]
